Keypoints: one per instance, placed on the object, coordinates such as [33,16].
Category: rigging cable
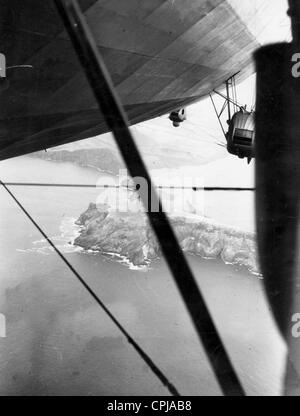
[217,114]
[106,186]
[160,375]
[234,93]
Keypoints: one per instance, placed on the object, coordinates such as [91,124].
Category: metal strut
[116,120]
[230,82]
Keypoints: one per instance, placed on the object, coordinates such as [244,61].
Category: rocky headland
[130,235]
[98,158]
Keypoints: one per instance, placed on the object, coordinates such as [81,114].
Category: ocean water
[59,342]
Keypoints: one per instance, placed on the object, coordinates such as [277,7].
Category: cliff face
[130,235]
[127,234]
[102,159]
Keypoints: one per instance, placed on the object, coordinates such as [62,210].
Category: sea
[58,341]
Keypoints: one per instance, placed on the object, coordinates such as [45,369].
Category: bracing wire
[144,356]
[216,111]
[106,186]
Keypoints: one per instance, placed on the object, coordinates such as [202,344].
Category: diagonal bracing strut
[117,122]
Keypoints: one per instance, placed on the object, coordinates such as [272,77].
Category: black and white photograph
[149,200]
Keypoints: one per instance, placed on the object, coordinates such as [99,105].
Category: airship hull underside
[162,55]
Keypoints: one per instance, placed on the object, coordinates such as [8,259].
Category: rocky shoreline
[130,235]
[101,159]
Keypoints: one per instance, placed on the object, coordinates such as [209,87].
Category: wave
[127,262]
[69,231]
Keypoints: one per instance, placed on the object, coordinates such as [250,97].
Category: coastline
[129,238]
